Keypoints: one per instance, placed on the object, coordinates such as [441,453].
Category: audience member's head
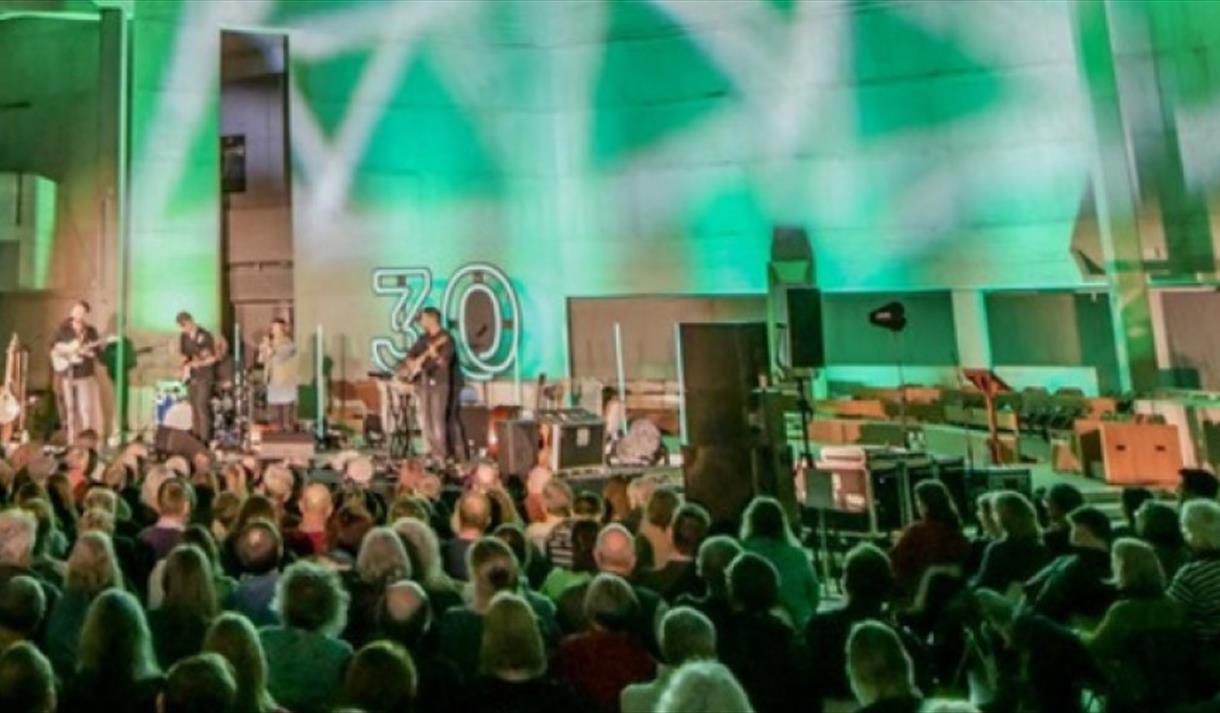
[1090,528]
[765,518]
[316,506]
[935,504]
[1137,570]
[225,508]
[1132,499]
[1015,515]
[686,634]
[310,597]
[1158,525]
[753,583]
[423,549]
[174,500]
[1197,484]
[18,533]
[868,578]
[380,679]
[96,520]
[203,683]
[610,603]
[589,506]
[716,553]
[115,645]
[102,499]
[662,504]
[615,551]
[27,683]
[1060,500]
[557,499]
[690,525]
[493,568]
[585,534]
[878,666]
[278,483]
[23,605]
[404,614]
[512,647]
[1201,526]
[258,547]
[701,686]
[92,565]
[484,476]
[234,637]
[382,558]
[189,584]
[511,534]
[472,516]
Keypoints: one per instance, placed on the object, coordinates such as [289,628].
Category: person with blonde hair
[1143,619]
[471,520]
[493,569]
[116,669]
[18,535]
[92,569]
[187,607]
[381,679]
[27,682]
[382,560]
[512,664]
[233,637]
[1196,586]
[1018,553]
[880,670]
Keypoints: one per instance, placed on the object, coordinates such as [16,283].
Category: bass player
[432,364]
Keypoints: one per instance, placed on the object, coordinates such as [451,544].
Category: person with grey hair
[305,657]
[881,673]
[715,555]
[614,553]
[701,686]
[381,560]
[259,549]
[601,662]
[18,533]
[1196,586]
[405,616]
[685,635]
[424,550]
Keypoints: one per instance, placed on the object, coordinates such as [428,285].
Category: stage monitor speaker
[720,479]
[173,442]
[475,426]
[517,446]
[286,446]
[806,343]
[577,439]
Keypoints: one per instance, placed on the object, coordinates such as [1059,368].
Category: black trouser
[199,392]
[441,425]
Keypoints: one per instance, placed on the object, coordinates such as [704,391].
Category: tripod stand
[805,463]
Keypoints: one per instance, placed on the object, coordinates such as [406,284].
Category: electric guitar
[66,355]
[412,367]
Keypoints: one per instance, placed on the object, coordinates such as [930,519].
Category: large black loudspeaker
[807,347]
[517,446]
[727,460]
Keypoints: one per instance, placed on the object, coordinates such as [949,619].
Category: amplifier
[576,438]
[516,446]
[286,446]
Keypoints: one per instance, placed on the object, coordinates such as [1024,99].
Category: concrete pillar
[970,326]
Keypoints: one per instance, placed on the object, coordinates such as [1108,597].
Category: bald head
[615,551]
[315,500]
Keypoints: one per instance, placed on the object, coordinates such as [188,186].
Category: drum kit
[233,405]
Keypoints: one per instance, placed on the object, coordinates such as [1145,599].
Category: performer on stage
[74,357]
[432,362]
[278,355]
[199,358]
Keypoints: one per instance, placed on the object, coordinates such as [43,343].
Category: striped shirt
[1197,587]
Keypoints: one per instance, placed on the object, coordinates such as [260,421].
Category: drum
[167,394]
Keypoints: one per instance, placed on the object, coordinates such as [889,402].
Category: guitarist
[432,360]
[77,342]
[199,357]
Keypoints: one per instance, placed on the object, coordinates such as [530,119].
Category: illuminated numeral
[409,286]
[505,340]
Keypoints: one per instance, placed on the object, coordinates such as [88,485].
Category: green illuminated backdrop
[648,146]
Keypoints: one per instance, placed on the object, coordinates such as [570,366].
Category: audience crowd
[150,584]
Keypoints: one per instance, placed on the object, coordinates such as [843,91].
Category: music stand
[990,385]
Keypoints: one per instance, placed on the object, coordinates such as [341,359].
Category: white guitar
[65,355]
